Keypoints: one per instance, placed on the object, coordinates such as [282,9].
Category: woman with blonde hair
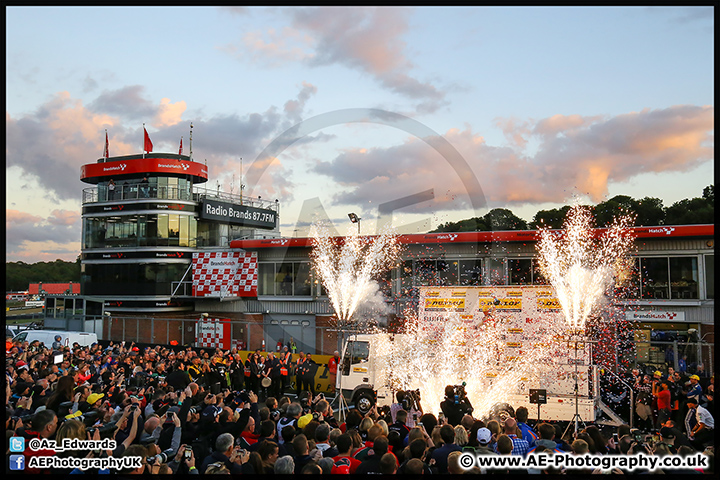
[461,436]
[383,424]
[365,425]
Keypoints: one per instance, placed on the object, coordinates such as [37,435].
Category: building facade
[144,218]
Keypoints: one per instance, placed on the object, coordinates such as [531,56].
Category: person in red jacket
[333,366]
[664,404]
[42,426]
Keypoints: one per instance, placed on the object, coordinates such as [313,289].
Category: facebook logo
[17,462]
[17,444]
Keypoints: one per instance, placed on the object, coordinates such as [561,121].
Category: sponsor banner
[132,207]
[655,315]
[237,214]
[524,320]
[136,165]
[506,304]
[445,304]
[552,304]
[224,274]
[131,255]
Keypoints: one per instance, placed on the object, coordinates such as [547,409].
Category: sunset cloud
[586,153]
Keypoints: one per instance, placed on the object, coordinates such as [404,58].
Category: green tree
[504,219]
[553,218]
[690,211]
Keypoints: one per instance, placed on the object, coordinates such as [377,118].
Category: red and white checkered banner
[213,333]
[225,274]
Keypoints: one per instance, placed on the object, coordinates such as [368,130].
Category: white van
[47,337]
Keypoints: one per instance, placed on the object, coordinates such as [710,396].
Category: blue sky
[542,104]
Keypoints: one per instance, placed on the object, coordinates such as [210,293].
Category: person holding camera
[456,404]
[226,453]
[410,402]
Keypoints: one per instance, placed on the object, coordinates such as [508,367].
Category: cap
[73,415]
[135,349]
[484,436]
[304,420]
[210,412]
[667,432]
[94,397]
[694,377]
[20,363]
[658,373]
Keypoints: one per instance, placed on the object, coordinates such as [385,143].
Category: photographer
[410,402]
[456,404]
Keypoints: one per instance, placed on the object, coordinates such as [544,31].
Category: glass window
[266,279]
[519,271]
[470,272]
[683,277]
[284,279]
[627,281]
[163,223]
[495,272]
[447,272]
[710,276]
[425,272]
[173,230]
[302,279]
[537,276]
[654,277]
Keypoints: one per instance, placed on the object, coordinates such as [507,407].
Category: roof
[53,288]
[663,231]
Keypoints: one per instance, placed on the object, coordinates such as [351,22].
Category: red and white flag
[148,146]
[106,151]
[180,152]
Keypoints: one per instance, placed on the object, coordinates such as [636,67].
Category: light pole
[355,219]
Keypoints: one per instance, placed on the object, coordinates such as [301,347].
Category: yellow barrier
[323,381]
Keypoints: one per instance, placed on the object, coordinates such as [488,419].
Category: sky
[427,114]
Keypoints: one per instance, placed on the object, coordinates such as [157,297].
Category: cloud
[586,153]
[367,39]
[32,238]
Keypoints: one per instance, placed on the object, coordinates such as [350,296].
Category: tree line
[18,275]
[648,211]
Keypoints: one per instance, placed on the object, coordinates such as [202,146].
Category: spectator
[520,446]
[440,455]
[526,433]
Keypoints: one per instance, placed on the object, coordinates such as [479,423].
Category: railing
[628,388]
[134,192]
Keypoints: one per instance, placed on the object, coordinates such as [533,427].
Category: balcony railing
[134,192]
[139,192]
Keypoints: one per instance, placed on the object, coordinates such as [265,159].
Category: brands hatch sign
[237,214]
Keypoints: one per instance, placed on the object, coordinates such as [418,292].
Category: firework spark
[348,268]
[580,265]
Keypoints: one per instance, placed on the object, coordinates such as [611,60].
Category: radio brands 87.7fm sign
[237,214]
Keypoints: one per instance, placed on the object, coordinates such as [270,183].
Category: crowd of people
[203,412]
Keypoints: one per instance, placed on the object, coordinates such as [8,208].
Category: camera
[459,393]
[411,400]
[105,430]
[163,456]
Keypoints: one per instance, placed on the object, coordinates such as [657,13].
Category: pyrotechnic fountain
[576,262]
[348,270]
[580,266]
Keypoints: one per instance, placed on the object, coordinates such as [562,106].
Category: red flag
[180,152]
[148,144]
[106,153]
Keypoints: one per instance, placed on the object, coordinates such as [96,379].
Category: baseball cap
[20,363]
[94,397]
[73,415]
[210,412]
[658,373]
[484,436]
[694,377]
[304,420]
[667,432]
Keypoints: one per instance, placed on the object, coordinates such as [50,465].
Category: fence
[247,335]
